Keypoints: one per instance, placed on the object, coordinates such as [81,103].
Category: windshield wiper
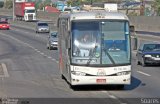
[109,56]
[91,56]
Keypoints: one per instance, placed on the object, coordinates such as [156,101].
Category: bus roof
[94,15]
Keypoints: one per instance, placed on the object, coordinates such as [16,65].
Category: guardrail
[146,23]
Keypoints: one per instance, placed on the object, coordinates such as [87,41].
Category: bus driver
[84,45]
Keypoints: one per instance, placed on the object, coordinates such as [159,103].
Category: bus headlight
[122,73]
[78,73]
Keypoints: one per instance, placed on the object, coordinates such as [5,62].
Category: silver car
[52,42]
[42,27]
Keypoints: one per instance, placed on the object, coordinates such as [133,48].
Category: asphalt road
[32,72]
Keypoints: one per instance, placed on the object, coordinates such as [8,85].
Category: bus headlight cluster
[122,73]
[78,73]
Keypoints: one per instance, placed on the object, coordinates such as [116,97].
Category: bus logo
[101,72]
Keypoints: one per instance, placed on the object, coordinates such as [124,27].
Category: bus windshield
[102,42]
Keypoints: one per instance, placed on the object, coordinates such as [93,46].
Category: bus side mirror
[134,40]
[132,28]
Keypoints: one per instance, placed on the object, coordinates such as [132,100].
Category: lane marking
[45,55]
[35,49]
[36,35]
[113,97]
[41,53]
[53,59]
[109,94]
[4,68]
[49,57]
[143,73]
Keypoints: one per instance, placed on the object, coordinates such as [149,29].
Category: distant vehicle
[52,40]
[4,25]
[71,9]
[60,6]
[67,10]
[4,19]
[51,9]
[42,27]
[148,53]
[25,11]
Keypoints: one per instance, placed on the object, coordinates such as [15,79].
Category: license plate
[101,80]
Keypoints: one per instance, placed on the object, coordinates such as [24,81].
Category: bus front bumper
[104,80]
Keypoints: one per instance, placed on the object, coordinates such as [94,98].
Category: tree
[1,4]
[8,4]
[80,2]
[41,5]
[156,6]
[74,2]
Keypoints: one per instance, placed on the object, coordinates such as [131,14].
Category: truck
[25,11]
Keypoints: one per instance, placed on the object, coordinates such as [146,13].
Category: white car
[42,27]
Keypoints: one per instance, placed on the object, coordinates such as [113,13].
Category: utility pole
[4,5]
[142,7]
[13,10]
[91,2]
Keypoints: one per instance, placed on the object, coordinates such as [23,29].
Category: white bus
[105,58]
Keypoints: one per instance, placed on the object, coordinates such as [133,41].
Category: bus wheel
[62,77]
[74,87]
[121,87]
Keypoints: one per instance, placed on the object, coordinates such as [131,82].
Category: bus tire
[121,87]
[74,87]
[62,76]
[138,63]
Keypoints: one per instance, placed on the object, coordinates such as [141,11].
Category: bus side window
[68,40]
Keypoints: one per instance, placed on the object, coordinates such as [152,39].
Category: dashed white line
[5,70]
[39,51]
[49,57]
[143,73]
[42,53]
[45,55]
[35,49]
[53,59]
[113,97]
[30,47]
[110,95]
